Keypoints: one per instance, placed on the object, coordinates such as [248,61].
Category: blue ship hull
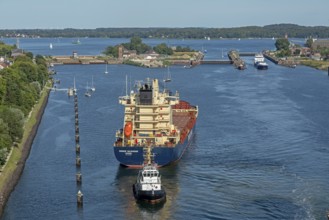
[133,156]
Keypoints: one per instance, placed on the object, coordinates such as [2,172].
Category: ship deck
[181,119]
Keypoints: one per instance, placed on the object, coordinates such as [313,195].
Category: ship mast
[126,86]
[148,157]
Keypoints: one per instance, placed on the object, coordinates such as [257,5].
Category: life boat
[128,129]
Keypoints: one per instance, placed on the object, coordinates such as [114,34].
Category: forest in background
[268,31]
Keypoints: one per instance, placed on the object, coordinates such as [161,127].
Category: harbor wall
[13,179]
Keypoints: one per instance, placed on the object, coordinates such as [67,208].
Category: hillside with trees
[268,31]
[20,87]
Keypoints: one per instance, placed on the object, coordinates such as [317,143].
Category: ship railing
[124,99]
[119,133]
[118,144]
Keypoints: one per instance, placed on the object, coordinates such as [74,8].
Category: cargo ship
[156,119]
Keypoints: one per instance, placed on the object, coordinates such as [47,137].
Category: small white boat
[106,72]
[92,88]
[87,93]
[51,46]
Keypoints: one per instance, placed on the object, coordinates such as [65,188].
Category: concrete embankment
[12,178]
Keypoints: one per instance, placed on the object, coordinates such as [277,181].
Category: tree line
[20,87]
[268,31]
[137,44]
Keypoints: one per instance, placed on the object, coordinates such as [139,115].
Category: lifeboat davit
[128,129]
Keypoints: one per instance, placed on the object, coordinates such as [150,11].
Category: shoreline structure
[12,176]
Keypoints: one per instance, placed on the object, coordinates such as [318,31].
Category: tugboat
[259,62]
[148,186]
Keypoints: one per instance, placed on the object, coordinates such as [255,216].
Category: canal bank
[15,165]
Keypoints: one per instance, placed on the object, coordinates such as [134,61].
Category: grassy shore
[318,64]
[20,152]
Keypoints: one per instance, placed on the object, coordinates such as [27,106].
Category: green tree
[14,118]
[29,54]
[282,44]
[324,52]
[163,49]
[3,156]
[3,89]
[137,44]
[184,49]
[5,50]
[5,139]
[297,52]
[28,70]
[309,42]
[112,51]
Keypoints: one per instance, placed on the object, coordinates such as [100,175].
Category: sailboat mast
[126,86]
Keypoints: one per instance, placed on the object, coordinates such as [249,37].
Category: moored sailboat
[92,88]
[87,93]
[106,72]
[168,77]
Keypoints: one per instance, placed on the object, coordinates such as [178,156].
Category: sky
[58,14]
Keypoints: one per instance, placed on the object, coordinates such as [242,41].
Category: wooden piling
[80,198]
[79,178]
[77,148]
[77,138]
[77,129]
[78,161]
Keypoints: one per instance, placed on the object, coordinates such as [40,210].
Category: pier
[216,62]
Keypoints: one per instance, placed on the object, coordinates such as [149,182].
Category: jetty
[234,56]
[283,62]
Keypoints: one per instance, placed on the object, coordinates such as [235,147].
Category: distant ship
[259,62]
[76,42]
[50,46]
[156,119]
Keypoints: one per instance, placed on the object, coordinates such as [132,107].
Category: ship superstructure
[154,118]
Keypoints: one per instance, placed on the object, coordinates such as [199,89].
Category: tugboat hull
[152,197]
